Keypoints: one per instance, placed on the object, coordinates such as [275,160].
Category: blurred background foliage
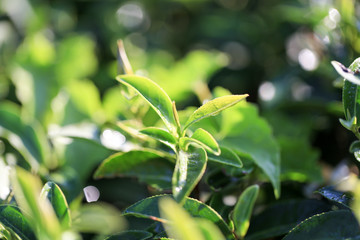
[58,60]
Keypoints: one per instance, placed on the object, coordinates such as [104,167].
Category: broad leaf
[189,168]
[11,217]
[161,135]
[330,225]
[53,193]
[179,224]
[207,140]
[148,208]
[123,162]
[279,218]
[227,157]
[131,235]
[155,96]
[213,107]
[243,210]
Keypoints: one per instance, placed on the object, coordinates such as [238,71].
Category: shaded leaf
[355,146]
[227,157]
[148,208]
[330,225]
[131,235]
[213,107]
[154,95]
[53,193]
[334,195]
[11,217]
[189,168]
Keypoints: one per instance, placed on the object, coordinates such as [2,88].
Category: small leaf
[227,157]
[121,162]
[349,125]
[334,195]
[346,73]
[53,193]
[148,208]
[131,235]
[179,224]
[243,210]
[155,96]
[332,225]
[355,146]
[213,107]
[189,168]
[11,217]
[209,230]
[207,140]
[161,135]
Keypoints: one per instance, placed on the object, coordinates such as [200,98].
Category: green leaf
[209,229]
[179,224]
[11,217]
[207,140]
[213,107]
[27,189]
[227,157]
[189,168]
[161,135]
[148,208]
[330,225]
[355,146]
[243,210]
[347,73]
[131,235]
[280,217]
[155,96]
[334,195]
[119,163]
[53,193]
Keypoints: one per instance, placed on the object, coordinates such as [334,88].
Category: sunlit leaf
[160,134]
[179,224]
[243,210]
[154,95]
[148,208]
[209,229]
[53,193]
[11,217]
[207,140]
[348,73]
[227,157]
[213,107]
[189,168]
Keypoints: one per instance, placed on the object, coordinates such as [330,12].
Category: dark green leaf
[227,157]
[355,146]
[279,218]
[330,225]
[213,107]
[53,193]
[131,235]
[155,96]
[243,210]
[332,194]
[148,208]
[189,168]
[11,217]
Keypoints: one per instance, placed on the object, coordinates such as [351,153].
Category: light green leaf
[227,157]
[179,224]
[207,140]
[161,135]
[331,225]
[243,210]
[53,193]
[213,107]
[155,96]
[189,168]
[148,208]
[12,218]
[209,229]
[42,217]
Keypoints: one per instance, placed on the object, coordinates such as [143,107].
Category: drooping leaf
[160,134]
[155,96]
[53,193]
[148,208]
[122,162]
[11,217]
[227,157]
[207,140]
[213,107]
[330,225]
[334,195]
[131,235]
[243,210]
[279,218]
[179,224]
[189,168]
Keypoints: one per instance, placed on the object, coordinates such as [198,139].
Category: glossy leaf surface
[160,134]
[243,210]
[213,107]
[207,140]
[334,195]
[227,157]
[189,168]
[154,95]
